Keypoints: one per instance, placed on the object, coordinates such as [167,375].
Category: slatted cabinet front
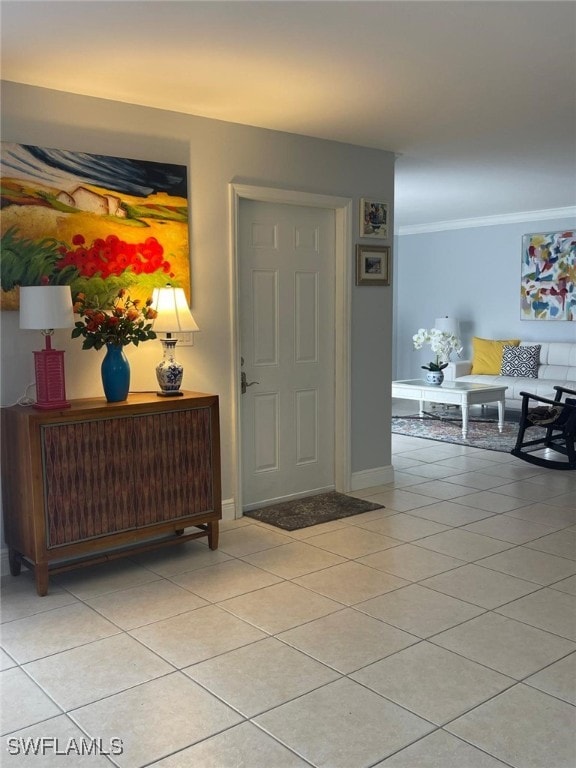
[99,476]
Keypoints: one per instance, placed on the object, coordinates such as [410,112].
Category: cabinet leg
[213,534]
[41,576]
[14,561]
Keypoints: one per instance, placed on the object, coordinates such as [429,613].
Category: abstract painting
[548,288]
[94,222]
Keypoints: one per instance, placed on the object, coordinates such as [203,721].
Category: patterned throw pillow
[521,361]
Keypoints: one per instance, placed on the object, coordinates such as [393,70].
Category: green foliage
[435,366]
[101,292]
[31,262]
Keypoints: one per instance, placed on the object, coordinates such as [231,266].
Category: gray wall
[471,274]
[216,154]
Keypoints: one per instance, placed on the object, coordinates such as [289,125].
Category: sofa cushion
[520,361]
[557,360]
[487,354]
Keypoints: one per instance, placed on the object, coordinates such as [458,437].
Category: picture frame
[95,222]
[548,276]
[372,265]
[373,219]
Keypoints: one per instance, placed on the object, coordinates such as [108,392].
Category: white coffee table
[452,393]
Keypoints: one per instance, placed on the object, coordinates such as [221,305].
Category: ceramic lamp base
[169,372]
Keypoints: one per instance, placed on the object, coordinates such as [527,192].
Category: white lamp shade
[448,325]
[173,311]
[44,307]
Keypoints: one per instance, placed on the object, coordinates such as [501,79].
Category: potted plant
[125,323]
[442,344]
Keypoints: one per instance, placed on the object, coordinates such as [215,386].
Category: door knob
[245,384]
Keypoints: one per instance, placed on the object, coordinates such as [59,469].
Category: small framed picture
[372,265]
[373,219]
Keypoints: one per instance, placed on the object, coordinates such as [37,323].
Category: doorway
[312,233]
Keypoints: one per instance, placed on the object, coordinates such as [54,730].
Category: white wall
[472,274]
[216,154]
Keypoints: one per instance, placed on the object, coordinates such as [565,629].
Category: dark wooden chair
[558,418]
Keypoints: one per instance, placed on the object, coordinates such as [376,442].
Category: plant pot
[435,378]
[115,371]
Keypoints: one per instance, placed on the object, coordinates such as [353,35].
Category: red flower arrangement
[112,256]
[126,323]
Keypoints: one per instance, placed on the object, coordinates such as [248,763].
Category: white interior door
[286,276]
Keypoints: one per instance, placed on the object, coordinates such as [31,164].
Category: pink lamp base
[50,384]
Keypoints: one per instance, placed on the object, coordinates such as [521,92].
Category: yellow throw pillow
[487,354]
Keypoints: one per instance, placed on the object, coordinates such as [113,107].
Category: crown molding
[489,221]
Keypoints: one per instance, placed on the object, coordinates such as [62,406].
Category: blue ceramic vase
[434,377]
[115,373]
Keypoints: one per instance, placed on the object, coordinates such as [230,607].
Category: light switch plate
[184,339]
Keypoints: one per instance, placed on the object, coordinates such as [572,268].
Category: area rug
[311,510]
[482,433]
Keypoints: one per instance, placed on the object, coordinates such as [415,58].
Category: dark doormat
[312,510]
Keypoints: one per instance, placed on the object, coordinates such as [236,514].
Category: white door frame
[342,207]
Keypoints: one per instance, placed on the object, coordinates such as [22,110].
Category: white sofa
[557,367]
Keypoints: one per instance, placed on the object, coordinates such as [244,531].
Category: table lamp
[448,325]
[174,316]
[44,308]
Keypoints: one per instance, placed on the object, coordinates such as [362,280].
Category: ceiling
[478,99]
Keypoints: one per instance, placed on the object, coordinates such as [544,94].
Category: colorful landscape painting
[548,290]
[94,222]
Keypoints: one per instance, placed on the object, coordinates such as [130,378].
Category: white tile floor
[436,632]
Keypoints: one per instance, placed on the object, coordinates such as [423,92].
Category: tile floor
[436,632]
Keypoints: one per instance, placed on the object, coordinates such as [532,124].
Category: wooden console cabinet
[102,480]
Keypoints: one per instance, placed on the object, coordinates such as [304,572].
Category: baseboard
[4,564]
[228,509]
[369,478]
